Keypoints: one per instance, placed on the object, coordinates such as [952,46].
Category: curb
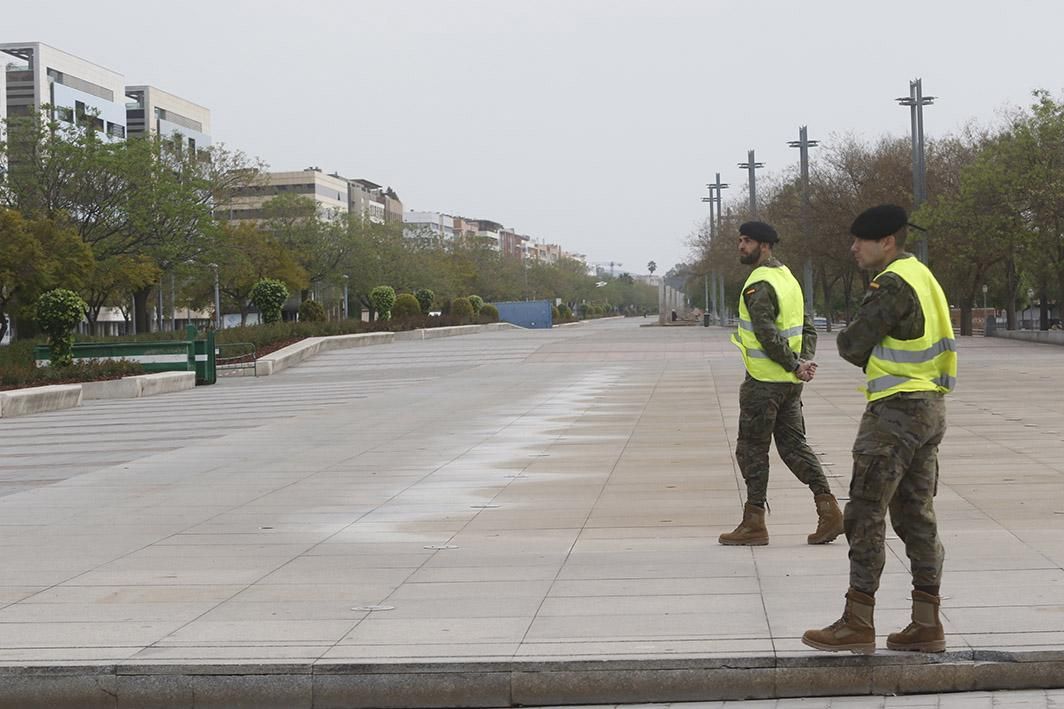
[516,683]
[55,397]
[36,400]
[305,349]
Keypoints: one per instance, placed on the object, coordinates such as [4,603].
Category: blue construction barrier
[526,313]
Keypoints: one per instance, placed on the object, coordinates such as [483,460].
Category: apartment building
[3,99]
[367,199]
[432,224]
[37,74]
[329,193]
[543,253]
[152,111]
[512,244]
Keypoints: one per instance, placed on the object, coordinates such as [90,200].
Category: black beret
[880,221]
[759,231]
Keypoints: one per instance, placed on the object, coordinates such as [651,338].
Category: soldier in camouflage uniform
[777,339]
[902,337]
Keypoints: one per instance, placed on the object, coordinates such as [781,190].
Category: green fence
[191,355]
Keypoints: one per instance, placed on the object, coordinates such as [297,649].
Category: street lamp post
[715,227]
[751,165]
[984,299]
[217,298]
[916,102]
[803,144]
[347,279]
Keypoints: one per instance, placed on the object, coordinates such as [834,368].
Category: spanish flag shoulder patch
[873,284]
[751,291]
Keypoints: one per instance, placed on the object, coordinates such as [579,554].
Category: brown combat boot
[925,633]
[751,531]
[829,524]
[854,631]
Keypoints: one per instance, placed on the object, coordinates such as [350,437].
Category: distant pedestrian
[777,340]
[903,339]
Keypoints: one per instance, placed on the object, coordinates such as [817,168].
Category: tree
[37,254]
[116,276]
[246,253]
[424,299]
[383,298]
[269,296]
[58,312]
[651,267]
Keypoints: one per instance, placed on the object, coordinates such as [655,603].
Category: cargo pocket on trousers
[870,477]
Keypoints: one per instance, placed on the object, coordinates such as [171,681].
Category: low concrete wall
[431,333]
[36,400]
[166,382]
[125,388]
[139,385]
[298,351]
[304,349]
[1048,337]
[516,683]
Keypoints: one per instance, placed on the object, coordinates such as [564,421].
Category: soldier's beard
[750,259]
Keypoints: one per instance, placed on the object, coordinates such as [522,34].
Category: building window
[64,113]
[116,131]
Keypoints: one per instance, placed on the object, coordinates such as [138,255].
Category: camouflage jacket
[890,308]
[761,301]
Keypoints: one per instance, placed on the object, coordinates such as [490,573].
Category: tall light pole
[916,102]
[217,298]
[803,144]
[715,227]
[751,165]
[347,279]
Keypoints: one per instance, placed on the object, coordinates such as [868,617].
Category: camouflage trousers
[895,468]
[770,410]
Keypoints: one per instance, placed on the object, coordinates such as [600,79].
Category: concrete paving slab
[242,525]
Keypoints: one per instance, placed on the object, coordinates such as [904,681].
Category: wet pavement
[510,496]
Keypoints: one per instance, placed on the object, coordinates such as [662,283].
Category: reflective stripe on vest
[789,321]
[927,363]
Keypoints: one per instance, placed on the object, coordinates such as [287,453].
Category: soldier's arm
[761,302]
[808,338]
[883,307]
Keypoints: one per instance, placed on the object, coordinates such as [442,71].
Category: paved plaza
[516,496]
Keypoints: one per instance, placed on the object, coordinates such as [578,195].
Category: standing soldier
[903,339]
[777,340]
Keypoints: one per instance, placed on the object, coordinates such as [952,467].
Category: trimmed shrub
[424,299]
[564,312]
[477,302]
[488,313]
[58,312]
[406,306]
[311,311]
[461,310]
[268,296]
[445,307]
[555,314]
[383,298]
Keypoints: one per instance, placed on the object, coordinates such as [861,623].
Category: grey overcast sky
[590,123]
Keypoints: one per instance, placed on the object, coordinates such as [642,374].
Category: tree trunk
[3,324]
[1011,285]
[1043,308]
[140,304]
[966,317]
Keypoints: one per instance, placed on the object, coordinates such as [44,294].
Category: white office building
[328,192]
[37,74]
[428,224]
[152,111]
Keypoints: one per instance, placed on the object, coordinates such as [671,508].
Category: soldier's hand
[806,370]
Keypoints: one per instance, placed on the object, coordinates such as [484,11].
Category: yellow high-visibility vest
[789,321]
[928,363]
